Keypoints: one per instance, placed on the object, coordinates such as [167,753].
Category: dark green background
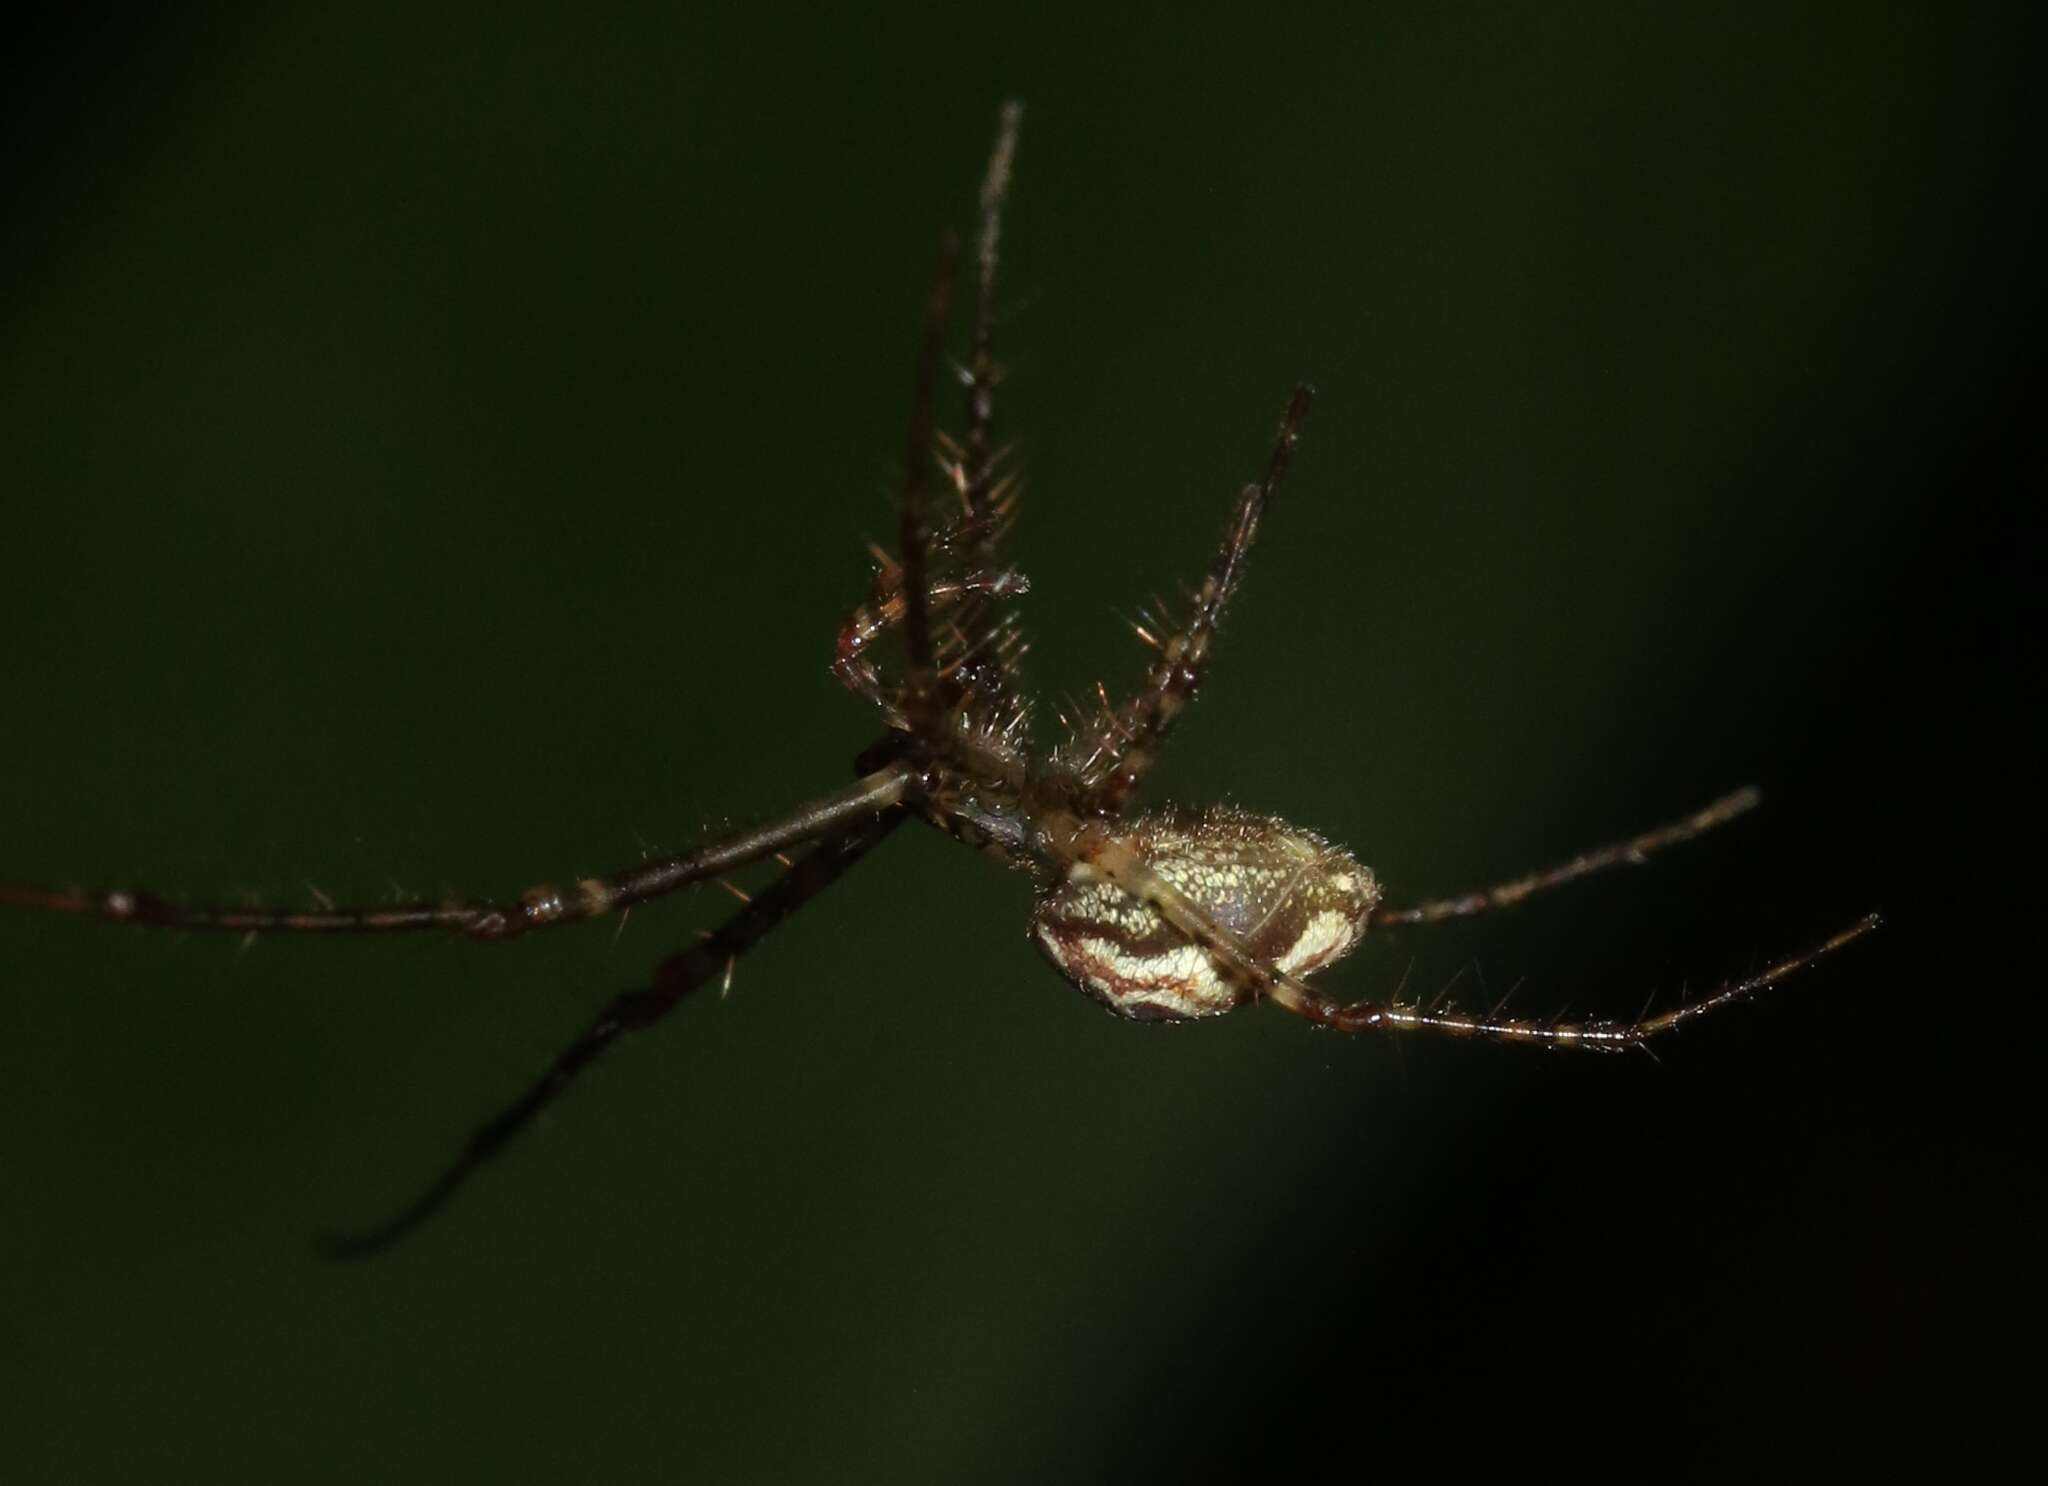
[435,450]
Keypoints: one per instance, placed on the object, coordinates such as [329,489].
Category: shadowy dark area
[70,75]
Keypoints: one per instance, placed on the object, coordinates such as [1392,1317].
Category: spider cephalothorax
[1167,916]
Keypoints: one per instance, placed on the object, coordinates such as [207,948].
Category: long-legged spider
[1167,916]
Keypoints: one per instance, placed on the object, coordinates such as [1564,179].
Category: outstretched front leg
[976,469]
[1633,852]
[633,1011]
[538,907]
[1597,1036]
[914,533]
[1113,753]
[943,594]
[1230,909]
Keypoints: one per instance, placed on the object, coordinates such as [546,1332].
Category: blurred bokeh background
[436,446]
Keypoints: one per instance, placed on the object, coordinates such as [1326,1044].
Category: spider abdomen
[1291,898]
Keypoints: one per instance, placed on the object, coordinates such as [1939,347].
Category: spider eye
[1296,902]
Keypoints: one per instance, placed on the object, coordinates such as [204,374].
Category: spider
[1170,916]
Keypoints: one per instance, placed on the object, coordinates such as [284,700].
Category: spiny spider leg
[983,505]
[633,1011]
[544,904]
[1115,753]
[915,537]
[971,467]
[1112,857]
[537,908]
[1599,1036]
[978,652]
[1632,852]
[980,657]
[871,621]
[978,463]
[904,602]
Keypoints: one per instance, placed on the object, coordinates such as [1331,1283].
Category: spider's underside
[1171,916]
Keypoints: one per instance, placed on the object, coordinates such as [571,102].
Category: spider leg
[867,624]
[975,652]
[538,907]
[915,531]
[1598,1036]
[1633,852]
[978,461]
[1113,857]
[986,501]
[972,466]
[706,962]
[1114,753]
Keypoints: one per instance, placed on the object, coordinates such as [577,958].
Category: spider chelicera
[1168,916]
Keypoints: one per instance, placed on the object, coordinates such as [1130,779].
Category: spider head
[1291,898]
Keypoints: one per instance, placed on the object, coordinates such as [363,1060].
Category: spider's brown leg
[538,907]
[872,620]
[984,505]
[1633,852]
[1371,1016]
[972,654]
[915,535]
[1115,753]
[1113,858]
[632,1011]
[978,457]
